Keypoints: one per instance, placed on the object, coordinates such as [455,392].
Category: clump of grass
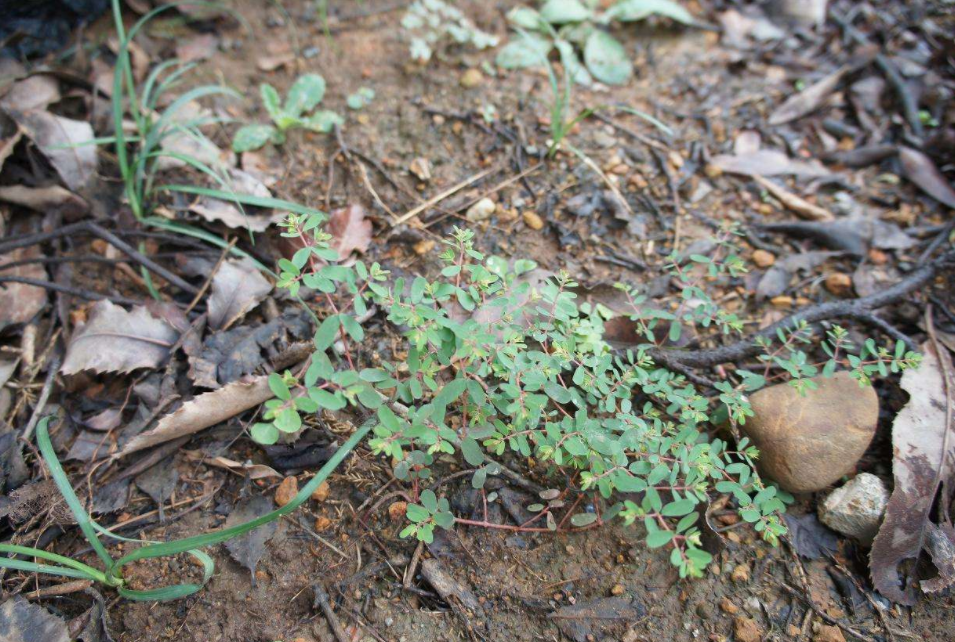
[111,575]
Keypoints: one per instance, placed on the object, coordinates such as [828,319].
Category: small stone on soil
[471,78]
[423,247]
[747,630]
[533,221]
[286,491]
[617,589]
[321,493]
[322,524]
[481,210]
[397,511]
[741,573]
[763,259]
[807,442]
[856,509]
[727,606]
[828,633]
[839,284]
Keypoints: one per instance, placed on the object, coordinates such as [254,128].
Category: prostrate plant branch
[861,309]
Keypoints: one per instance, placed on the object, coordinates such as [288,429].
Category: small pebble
[617,589]
[839,284]
[397,511]
[423,247]
[286,491]
[747,630]
[321,493]
[471,78]
[727,606]
[828,633]
[763,259]
[533,221]
[322,524]
[741,573]
[481,210]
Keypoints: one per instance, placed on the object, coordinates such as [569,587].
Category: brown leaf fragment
[940,544]
[920,169]
[768,162]
[21,621]
[249,548]
[214,209]
[66,143]
[52,198]
[797,204]
[350,230]
[114,340]
[201,47]
[237,287]
[204,411]
[19,302]
[924,452]
[809,99]
[34,92]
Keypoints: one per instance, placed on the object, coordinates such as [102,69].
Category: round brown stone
[807,442]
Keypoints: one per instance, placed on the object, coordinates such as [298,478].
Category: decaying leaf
[247,469]
[768,162]
[248,549]
[237,287]
[920,169]
[924,455]
[19,302]
[213,209]
[34,92]
[114,340]
[52,198]
[810,537]
[809,99]
[350,230]
[68,144]
[799,205]
[940,544]
[204,411]
[589,620]
[159,481]
[200,47]
[21,621]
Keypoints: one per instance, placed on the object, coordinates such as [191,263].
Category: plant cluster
[295,113]
[572,26]
[500,360]
[432,21]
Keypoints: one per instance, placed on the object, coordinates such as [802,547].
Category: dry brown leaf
[199,48]
[252,471]
[52,198]
[66,143]
[924,456]
[19,302]
[237,287]
[34,92]
[768,162]
[204,411]
[114,340]
[809,99]
[10,135]
[214,209]
[350,230]
[920,169]
[797,204]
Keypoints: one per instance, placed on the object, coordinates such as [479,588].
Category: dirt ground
[599,585]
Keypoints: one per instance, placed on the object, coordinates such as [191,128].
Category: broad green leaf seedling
[295,113]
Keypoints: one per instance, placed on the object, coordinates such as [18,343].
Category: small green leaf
[323,121]
[634,10]
[326,400]
[278,387]
[656,539]
[270,100]
[473,454]
[429,500]
[530,50]
[679,508]
[561,12]
[606,58]
[265,434]
[583,519]
[251,137]
[304,95]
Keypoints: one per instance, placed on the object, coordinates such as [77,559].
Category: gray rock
[481,210]
[856,509]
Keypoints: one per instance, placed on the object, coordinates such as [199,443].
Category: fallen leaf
[159,481]
[34,92]
[854,234]
[68,144]
[237,287]
[200,148]
[52,198]
[106,420]
[810,537]
[920,169]
[21,621]
[350,230]
[589,620]
[799,205]
[90,446]
[923,455]
[809,99]
[199,48]
[779,275]
[248,549]
[204,411]
[273,62]
[247,469]
[940,544]
[20,302]
[214,209]
[114,340]
[768,162]
[112,497]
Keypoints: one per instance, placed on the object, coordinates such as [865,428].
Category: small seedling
[361,98]
[295,113]
[578,25]
[430,22]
